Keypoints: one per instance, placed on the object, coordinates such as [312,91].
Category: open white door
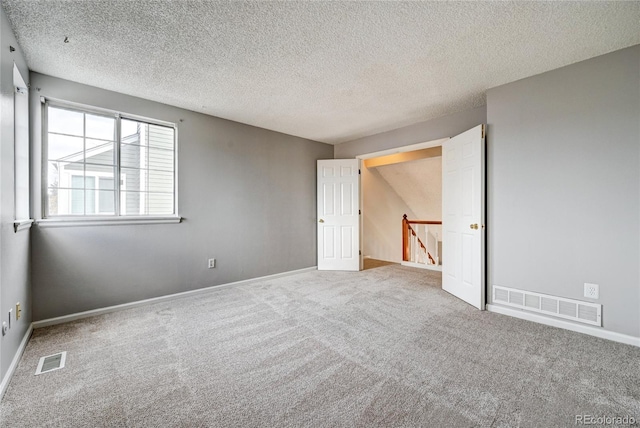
[338,214]
[463,206]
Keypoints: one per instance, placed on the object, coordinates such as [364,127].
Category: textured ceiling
[328,71]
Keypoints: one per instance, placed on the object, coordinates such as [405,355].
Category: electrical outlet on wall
[591,291]
[212,263]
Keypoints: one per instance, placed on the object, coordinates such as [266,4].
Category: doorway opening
[405,181]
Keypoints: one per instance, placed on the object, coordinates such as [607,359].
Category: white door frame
[403,149]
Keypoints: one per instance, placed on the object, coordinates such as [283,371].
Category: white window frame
[102,219]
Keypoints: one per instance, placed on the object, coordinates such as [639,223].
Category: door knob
[474,226]
[321,221]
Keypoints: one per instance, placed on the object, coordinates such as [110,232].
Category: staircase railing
[413,246]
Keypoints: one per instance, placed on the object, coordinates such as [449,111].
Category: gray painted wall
[247,195]
[14,247]
[442,127]
[564,184]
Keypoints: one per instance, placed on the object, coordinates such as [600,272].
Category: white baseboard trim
[108,309]
[14,363]
[541,319]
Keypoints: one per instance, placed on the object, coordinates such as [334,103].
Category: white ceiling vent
[576,310]
[51,363]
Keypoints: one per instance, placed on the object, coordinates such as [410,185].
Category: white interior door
[463,206]
[339,214]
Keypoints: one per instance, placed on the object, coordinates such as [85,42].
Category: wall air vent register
[575,310]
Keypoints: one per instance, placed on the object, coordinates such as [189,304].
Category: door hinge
[359,252]
[359,172]
[359,212]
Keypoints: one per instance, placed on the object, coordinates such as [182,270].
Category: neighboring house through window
[102,163]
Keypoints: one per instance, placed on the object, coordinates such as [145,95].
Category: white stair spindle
[410,246]
[413,247]
[418,258]
[419,248]
[423,254]
[426,243]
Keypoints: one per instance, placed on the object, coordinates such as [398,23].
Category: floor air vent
[51,363]
[576,310]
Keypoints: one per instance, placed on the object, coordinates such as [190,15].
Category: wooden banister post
[405,238]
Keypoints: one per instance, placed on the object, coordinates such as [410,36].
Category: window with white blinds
[107,164]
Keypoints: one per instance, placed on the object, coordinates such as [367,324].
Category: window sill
[105,221]
[19,225]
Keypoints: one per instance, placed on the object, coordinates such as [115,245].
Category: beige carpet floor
[385,347]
